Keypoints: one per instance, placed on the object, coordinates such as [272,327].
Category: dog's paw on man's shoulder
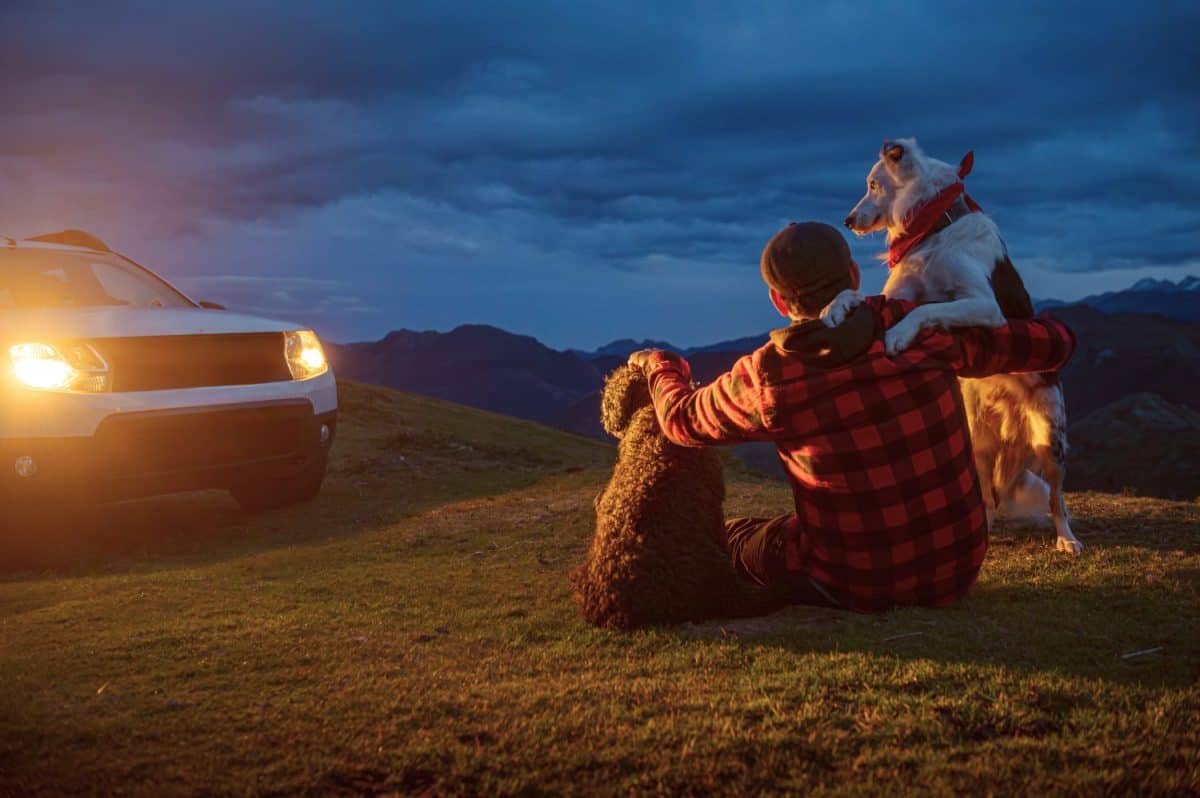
[836,311]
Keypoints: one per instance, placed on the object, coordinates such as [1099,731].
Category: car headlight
[66,369]
[305,357]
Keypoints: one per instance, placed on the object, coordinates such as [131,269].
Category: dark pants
[758,549]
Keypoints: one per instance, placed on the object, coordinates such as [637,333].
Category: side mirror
[212,306]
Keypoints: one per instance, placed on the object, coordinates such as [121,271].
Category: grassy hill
[412,631]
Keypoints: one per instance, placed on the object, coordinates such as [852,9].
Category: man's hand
[640,359]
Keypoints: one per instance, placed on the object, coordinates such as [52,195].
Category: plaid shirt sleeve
[728,410]
[1020,346]
[889,311]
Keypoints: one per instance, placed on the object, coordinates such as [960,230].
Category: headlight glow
[41,367]
[73,369]
[305,357]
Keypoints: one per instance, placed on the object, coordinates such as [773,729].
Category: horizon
[590,173]
[694,344]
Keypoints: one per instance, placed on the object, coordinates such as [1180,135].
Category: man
[888,509]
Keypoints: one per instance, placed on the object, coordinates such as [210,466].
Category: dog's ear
[892,151]
[625,392]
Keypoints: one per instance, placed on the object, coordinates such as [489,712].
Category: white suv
[115,385]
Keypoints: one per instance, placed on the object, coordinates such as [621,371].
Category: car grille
[167,362]
[136,444]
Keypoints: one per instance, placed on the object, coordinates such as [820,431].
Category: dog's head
[902,178]
[625,392]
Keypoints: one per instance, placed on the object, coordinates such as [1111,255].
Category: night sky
[584,171]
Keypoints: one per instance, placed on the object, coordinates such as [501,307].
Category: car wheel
[273,492]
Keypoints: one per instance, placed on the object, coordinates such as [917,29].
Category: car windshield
[36,278]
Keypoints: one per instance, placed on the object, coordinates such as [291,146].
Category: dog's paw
[1070,546]
[900,337]
[836,311]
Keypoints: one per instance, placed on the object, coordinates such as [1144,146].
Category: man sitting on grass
[888,508]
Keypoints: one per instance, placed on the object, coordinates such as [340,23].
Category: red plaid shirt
[877,451]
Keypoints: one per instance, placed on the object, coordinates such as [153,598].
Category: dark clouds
[584,171]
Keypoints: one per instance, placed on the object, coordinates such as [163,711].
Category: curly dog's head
[625,392]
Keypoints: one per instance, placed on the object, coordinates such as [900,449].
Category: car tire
[271,493]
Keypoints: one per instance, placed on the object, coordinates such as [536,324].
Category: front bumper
[151,452]
[33,414]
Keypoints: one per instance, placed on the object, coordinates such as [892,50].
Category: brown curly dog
[658,556]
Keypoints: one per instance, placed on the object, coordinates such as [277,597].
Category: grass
[412,631]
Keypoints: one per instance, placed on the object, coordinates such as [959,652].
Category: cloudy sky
[584,171]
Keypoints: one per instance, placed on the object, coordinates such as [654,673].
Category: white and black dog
[949,256]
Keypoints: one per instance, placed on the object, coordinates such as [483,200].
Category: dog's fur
[963,276]
[658,556]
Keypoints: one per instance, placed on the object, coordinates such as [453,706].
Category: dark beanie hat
[805,259]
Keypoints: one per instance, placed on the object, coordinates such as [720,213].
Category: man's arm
[728,410]
[1020,346]
[890,311]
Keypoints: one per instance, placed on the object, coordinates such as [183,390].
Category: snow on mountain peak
[1150,284]
[1189,283]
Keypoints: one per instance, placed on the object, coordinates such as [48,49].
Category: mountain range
[1179,300]
[1147,361]
[474,365]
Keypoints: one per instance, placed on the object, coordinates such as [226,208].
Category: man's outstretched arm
[728,410]
[1020,346]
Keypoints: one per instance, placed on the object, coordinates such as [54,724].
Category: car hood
[76,323]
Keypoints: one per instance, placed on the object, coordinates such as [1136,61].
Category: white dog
[945,252]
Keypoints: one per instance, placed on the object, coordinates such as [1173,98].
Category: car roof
[69,240]
[73,240]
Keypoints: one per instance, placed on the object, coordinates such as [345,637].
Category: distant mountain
[474,365]
[1119,355]
[625,346]
[1140,442]
[492,369]
[1122,354]
[1191,283]
[742,345]
[622,348]
[1180,301]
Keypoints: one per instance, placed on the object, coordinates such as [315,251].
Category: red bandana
[921,220]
